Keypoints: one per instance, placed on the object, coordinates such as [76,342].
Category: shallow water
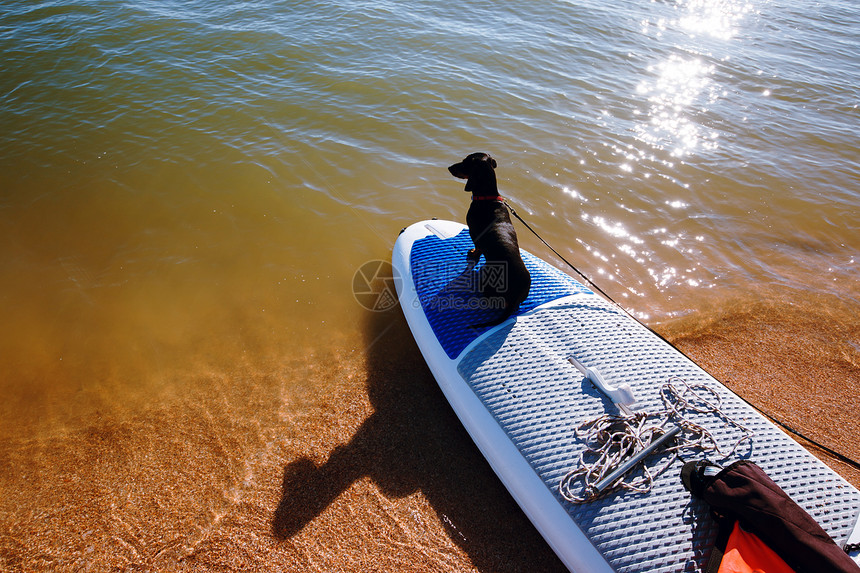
[188,189]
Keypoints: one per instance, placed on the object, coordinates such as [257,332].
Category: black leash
[588,280]
[842,457]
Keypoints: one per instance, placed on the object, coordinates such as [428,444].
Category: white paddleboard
[521,400]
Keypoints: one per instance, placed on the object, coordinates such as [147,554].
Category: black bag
[742,494]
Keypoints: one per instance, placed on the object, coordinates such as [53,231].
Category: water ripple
[636,115]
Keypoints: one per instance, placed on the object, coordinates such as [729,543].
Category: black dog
[504,275]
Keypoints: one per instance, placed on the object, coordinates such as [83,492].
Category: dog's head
[477,169]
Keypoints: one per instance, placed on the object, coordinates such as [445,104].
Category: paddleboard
[521,400]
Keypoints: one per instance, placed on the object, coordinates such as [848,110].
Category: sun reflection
[680,82]
[669,258]
[669,117]
[615,230]
[715,18]
[681,87]
[574,193]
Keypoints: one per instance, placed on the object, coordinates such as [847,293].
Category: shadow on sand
[414,442]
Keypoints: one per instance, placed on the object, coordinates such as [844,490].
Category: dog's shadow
[414,442]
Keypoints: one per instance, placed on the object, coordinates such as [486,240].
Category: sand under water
[362,466]
[366,468]
[796,361]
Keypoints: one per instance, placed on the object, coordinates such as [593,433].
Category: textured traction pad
[521,373]
[522,376]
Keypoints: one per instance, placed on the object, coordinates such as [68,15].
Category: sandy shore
[797,362]
[354,461]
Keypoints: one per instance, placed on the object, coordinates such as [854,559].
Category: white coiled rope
[611,439]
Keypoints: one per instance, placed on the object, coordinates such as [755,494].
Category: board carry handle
[621,395]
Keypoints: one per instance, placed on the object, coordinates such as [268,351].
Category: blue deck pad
[449,288]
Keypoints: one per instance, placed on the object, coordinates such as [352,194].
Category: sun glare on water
[718,19]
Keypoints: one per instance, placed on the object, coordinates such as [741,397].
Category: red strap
[488,198]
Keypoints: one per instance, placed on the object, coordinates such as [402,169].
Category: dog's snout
[473,165]
[457,171]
